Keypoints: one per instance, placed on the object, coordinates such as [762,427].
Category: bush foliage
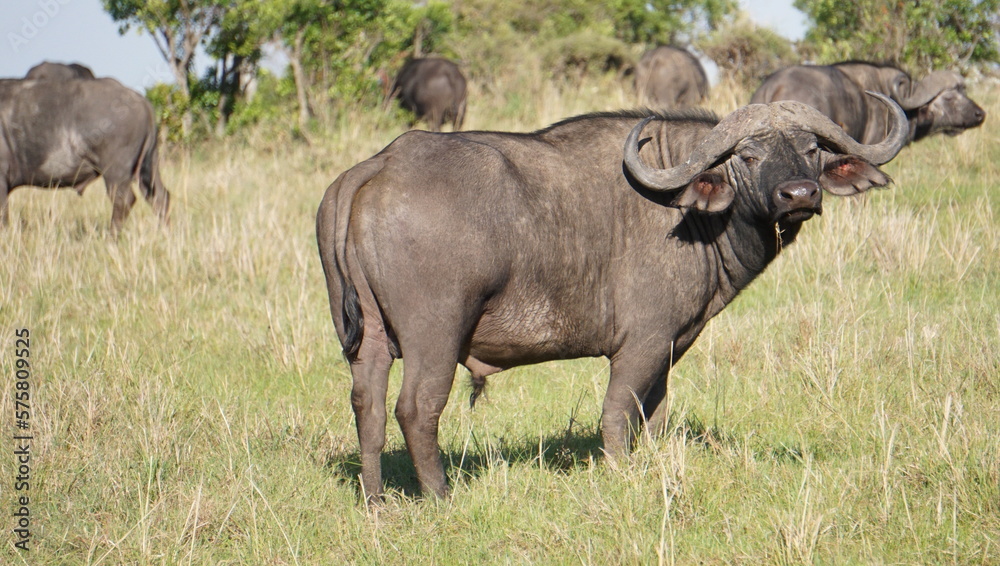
[746,52]
[920,36]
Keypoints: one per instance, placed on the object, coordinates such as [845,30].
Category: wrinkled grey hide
[669,77]
[936,104]
[67,133]
[434,90]
[58,72]
[495,250]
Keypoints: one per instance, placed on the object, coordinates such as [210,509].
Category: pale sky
[778,15]
[80,31]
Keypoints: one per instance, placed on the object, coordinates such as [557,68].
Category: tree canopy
[345,51]
[919,36]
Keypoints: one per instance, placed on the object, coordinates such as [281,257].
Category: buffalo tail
[354,321]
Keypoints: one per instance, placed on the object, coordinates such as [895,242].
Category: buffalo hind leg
[151,184]
[435,119]
[4,209]
[157,197]
[370,374]
[122,199]
[428,374]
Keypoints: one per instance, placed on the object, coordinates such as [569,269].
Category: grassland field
[190,404]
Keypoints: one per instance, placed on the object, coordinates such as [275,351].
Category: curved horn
[657,179]
[876,154]
[932,85]
[755,118]
[742,123]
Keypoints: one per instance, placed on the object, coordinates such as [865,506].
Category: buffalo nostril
[804,191]
[797,195]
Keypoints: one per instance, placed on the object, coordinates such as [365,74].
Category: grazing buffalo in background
[434,90]
[668,77]
[936,104]
[70,133]
[495,250]
[59,71]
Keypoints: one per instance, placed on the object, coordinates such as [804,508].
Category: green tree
[335,49]
[242,29]
[578,35]
[656,22]
[177,27]
[919,35]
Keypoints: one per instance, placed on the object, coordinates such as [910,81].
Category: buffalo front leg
[654,408]
[633,377]
[370,373]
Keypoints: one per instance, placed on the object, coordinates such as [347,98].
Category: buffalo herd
[616,234]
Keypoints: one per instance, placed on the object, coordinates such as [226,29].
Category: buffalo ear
[851,175]
[707,192]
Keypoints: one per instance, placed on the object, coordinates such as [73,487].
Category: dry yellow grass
[190,404]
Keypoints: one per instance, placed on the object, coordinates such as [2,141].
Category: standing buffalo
[936,104]
[58,71]
[668,77]
[70,133]
[434,90]
[495,250]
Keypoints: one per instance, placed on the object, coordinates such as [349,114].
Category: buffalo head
[787,150]
[940,105]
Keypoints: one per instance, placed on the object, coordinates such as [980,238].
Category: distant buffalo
[434,90]
[59,71]
[936,104]
[70,133]
[668,77]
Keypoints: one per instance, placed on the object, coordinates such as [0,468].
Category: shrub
[746,52]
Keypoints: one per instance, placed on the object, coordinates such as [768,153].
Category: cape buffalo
[668,77]
[70,133]
[936,104]
[58,71]
[434,90]
[495,250]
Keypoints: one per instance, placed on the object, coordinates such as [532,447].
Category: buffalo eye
[749,160]
[812,152]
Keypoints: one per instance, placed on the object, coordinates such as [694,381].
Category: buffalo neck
[745,249]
